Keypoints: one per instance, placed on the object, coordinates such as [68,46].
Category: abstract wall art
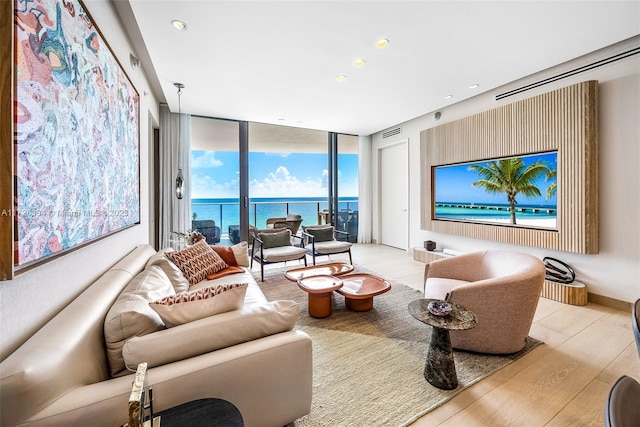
[76,133]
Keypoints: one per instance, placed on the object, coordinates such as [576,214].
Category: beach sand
[550,223]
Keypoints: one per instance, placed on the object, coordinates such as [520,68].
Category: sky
[214,174]
[455,184]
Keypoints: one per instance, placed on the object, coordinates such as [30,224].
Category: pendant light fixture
[179,178]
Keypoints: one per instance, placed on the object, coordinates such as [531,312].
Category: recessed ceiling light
[341,78]
[359,62]
[382,42]
[474,86]
[179,25]
[448,96]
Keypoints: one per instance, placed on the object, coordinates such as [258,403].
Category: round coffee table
[440,368]
[359,289]
[337,268]
[319,289]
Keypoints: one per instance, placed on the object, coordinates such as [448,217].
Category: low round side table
[440,368]
[319,289]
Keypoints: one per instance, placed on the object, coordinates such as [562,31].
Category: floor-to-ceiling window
[288,172]
[215,182]
[347,185]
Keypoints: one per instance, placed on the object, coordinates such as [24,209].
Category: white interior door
[394,195]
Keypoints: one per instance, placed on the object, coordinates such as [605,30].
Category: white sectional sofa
[68,373]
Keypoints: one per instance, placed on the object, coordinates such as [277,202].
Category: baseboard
[610,302]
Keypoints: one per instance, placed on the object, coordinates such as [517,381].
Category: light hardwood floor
[564,382]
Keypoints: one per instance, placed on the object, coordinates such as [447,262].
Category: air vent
[573,72]
[391,132]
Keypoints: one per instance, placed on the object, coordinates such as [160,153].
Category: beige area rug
[368,367]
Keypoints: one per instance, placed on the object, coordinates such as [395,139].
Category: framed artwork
[76,133]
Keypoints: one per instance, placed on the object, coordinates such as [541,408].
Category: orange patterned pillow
[200,303]
[197,261]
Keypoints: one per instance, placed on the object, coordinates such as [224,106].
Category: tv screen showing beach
[516,191]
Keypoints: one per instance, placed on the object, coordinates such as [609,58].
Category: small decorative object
[439,308]
[558,271]
[430,245]
[189,237]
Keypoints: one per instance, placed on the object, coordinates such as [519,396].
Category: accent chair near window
[322,240]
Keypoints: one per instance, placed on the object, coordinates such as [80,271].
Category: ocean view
[529,215]
[226,212]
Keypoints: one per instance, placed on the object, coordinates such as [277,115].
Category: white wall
[615,271]
[35,296]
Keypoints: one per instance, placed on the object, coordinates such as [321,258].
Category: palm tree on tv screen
[512,177]
[551,190]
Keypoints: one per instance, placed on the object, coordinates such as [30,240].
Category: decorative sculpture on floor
[558,271]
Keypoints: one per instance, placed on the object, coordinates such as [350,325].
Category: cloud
[273,154]
[206,187]
[206,160]
[281,183]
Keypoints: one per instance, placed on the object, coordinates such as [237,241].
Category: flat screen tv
[517,191]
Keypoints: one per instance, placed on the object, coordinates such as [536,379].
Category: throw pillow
[241,251]
[232,269]
[275,240]
[179,282]
[193,305]
[321,234]
[227,254]
[197,261]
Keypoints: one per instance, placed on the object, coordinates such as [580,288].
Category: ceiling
[276,61]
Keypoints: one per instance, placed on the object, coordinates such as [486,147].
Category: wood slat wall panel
[564,120]
[568,294]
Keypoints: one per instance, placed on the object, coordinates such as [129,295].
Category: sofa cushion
[197,304]
[131,315]
[281,253]
[211,333]
[321,234]
[197,261]
[329,247]
[179,282]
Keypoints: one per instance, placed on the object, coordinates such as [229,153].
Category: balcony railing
[227,214]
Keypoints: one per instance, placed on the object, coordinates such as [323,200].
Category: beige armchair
[276,246]
[322,240]
[502,288]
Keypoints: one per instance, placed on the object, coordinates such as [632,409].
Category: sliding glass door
[346,176]
[287,173]
[215,183]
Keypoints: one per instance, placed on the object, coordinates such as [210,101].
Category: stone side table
[440,368]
